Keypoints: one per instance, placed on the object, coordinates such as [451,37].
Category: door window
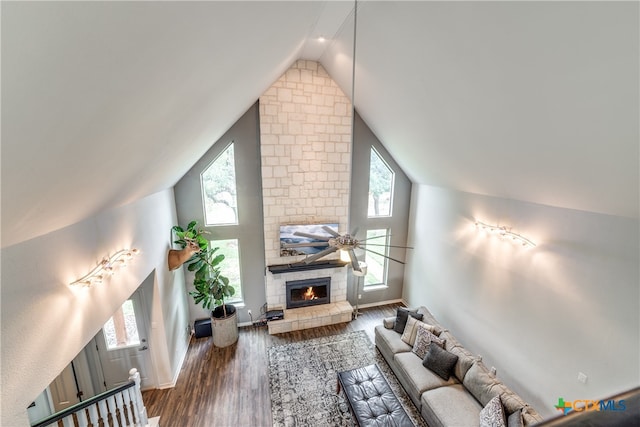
[121,330]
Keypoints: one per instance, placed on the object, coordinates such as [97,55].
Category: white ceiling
[107,102]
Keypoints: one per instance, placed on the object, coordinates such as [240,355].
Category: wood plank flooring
[229,387]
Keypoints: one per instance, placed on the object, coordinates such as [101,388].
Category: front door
[122,344]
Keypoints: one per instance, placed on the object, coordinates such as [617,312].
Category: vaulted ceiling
[106,102]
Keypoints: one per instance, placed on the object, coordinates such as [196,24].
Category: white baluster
[82,418]
[127,403]
[123,414]
[111,402]
[141,411]
[68,421]
[93,414]
[104,413]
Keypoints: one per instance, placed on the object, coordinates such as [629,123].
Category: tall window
[230,267]
[380,186]
[376,264]
[219,190]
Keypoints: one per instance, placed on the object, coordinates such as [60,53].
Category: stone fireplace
[305,143]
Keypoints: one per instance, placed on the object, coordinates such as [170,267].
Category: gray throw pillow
[402,314]
[439,360]
[515,419]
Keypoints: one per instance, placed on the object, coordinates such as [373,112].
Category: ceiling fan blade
[383,255]
[330,231]
[389,246]
[311,236]
[354,260]
[320,254]
[302,245]
[374,237]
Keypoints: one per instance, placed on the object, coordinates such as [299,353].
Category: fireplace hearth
[304,293]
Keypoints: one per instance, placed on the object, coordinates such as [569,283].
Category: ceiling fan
[344,242]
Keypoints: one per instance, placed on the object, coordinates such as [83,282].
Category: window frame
[391,184]
[238,298]
[203,194]
[385,267]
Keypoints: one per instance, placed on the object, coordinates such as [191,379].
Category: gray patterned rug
[303,379]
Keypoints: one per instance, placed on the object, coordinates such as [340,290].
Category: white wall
[46,322]
[539,315]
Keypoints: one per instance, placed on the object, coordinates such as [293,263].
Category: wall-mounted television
[287,235]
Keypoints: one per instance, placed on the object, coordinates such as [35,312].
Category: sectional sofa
[448,385]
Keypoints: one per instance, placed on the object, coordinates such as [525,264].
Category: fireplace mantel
[301,266]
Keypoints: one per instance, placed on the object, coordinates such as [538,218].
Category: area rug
[303,380]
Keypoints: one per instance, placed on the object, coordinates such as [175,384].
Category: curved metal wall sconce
[505,232]
[106,267]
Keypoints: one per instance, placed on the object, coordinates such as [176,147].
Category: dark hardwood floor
[229,387]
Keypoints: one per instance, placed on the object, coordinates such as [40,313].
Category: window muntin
[381,178]
[219,195]
[376,264]
[230,267]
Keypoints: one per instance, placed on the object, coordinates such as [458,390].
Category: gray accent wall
[249,230]
[539,315]
[364,139]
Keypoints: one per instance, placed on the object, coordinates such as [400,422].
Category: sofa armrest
[388,322]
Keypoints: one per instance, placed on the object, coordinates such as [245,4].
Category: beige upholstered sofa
[470,387]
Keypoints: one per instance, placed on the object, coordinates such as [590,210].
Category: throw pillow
[411,329]
[424,337]
[402,314]
[515,419]
[439,360]
[492,415]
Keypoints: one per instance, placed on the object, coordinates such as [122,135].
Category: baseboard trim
[379,303]
[174,381]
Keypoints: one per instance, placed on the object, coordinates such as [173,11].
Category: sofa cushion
[464,362]
[481,383]
[450,406]
[465,357]
[424,337]
[511,401]
[492,415]
[451,341]
[427,317]
[388,322]
[415,378]
[389,343]
[439,360]
[402,314]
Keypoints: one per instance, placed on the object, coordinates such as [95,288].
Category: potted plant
[211,286]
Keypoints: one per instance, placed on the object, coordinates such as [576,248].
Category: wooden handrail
[82,405]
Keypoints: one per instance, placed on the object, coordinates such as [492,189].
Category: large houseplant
[211,287]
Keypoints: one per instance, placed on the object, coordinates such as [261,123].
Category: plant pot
[224,330]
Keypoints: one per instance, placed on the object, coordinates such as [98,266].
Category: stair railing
[121,406]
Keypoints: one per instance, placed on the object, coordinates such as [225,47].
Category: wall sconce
[106,267]
[505,232]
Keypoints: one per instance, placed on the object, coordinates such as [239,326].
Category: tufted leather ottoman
[371,399]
